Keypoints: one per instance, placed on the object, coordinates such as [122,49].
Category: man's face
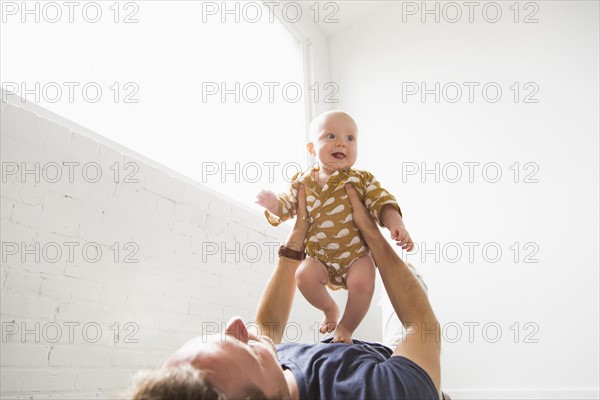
[235,362]
[334,142]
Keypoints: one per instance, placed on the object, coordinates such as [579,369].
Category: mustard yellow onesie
[332,237]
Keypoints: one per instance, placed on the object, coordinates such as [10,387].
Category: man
[248,365]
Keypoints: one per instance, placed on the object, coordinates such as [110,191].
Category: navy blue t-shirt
[362,370]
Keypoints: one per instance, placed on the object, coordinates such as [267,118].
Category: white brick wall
[72,308]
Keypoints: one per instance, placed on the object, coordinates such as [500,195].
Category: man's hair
[182,382]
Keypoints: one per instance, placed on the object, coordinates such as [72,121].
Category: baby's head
[333,140]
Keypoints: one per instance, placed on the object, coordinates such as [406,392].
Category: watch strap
[290,253]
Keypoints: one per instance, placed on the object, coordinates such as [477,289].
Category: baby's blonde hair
[316,122]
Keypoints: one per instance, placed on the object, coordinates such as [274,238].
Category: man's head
[333,140]
[238,365]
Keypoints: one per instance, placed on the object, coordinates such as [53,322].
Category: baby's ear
[311,148]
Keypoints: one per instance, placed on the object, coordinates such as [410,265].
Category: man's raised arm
[422,342]
[276,301]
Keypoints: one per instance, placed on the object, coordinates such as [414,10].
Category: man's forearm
[406,294]
[276,302]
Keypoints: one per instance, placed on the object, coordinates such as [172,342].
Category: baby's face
[334,142]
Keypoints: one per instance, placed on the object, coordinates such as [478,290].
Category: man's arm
[422,344]
[276,302]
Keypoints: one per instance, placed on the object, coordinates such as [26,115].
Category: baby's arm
[391,219]
[279,208]
[268,200]
[384,208]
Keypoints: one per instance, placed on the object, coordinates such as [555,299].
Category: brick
[159,245]
[138,359]
[81,144]
[3,274]
[161,183]
[99,272]
[23,283]
[58,288]
[247,314]
[100,179]
[85,332]
[48,380]
[11,190]
[84,312]
[197,308]
[153,339]
[32,195]
[110,156]
[13,232]
[103,379]
[21,355]
[126,192]
[214,312]
[157,267]
[42,307]
[92,199]
[112,295]
[217,224]
[36,218]
[13,151]
[56,136]
[60,204]
[165,212]
[233,286]
[80,356]
[143,205]
[10,380]
[6,207]
[86,291]
[22,125]
[134,169]
[14,304]
[183,258]
[144,318]
[201,278]
[197,197]
[175,304]
[181,323]
[96,233]
[191,230]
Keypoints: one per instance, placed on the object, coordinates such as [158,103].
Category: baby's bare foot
[330,319]
[342,335]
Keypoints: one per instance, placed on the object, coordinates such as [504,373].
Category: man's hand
[302,223]
[360,215]
[268,200]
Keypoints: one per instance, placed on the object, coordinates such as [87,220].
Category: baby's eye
[330,136]
[351,138]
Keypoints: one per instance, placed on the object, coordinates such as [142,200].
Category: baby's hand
[268,200]
[402,237]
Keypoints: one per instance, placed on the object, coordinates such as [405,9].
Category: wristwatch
[289,253]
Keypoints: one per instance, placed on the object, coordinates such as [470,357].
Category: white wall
[559,294]
[190,276]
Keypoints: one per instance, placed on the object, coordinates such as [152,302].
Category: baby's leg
[311,278]
[360,281]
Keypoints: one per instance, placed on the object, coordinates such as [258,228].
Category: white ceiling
[347,14]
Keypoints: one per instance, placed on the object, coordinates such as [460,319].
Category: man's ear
[311,148]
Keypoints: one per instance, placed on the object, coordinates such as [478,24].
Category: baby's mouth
[339,156]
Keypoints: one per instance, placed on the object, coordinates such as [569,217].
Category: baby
[338,256]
